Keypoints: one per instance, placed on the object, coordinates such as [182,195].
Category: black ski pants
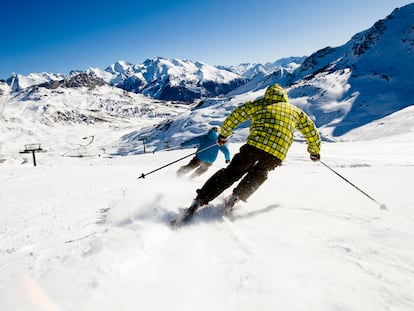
[252,163]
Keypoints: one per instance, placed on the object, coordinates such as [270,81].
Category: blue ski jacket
[210,139]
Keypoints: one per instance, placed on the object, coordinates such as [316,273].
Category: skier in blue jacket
[204,159]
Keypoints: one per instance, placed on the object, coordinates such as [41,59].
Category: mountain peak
[118,67]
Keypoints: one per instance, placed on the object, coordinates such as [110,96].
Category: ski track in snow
[89,236]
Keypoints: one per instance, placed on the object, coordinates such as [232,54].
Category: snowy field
[85,234]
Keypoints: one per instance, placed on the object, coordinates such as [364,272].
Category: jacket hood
[276,93]
[212,134]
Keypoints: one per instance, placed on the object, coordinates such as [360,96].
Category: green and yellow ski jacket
[273,122]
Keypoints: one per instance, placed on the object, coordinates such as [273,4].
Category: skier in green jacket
[273,122]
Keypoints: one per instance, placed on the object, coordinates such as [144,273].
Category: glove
[221,140]
[227,161]
[315,157]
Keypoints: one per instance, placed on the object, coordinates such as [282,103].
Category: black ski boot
[229,204]
[186,215]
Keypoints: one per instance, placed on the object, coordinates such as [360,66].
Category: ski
[182,218]
[208,212]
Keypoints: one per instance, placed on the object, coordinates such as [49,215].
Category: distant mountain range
[342,88]
[162,78]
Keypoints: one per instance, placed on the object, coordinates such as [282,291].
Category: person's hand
[315,157]
[227,161]
[221,140]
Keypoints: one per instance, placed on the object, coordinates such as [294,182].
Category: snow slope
[86,234]
[61,119]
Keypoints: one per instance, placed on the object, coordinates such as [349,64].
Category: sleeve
[191,141]
[310,132]
[237,117]
[226,152]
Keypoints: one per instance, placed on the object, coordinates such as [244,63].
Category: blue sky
[53,36]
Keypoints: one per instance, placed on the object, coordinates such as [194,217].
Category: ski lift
[32,148]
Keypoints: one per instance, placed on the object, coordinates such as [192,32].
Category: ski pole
[160,168]
[382,206]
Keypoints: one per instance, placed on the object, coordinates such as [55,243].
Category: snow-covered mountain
[342,88]
[168,79]
[174,79]
[20,82]
[159,78]
[363,80]
[258,71]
